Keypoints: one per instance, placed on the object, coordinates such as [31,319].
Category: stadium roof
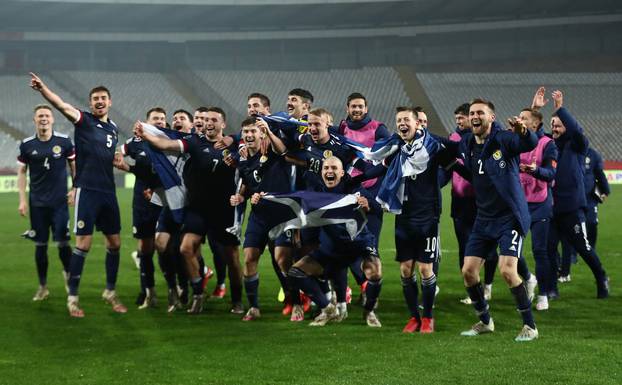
[19,19]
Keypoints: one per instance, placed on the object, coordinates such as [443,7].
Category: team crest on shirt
[56,150]
[263,159]
[327,154]
[496,155]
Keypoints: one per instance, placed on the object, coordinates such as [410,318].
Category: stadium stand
[592,97]
[9,148]
[381,86]
[18,100]
[133,93]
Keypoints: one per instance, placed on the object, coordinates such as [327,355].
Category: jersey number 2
[481,170]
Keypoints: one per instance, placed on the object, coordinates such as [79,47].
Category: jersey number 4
[46,163]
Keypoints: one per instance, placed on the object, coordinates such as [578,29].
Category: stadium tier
[9,148]
[593,98]
[18,100]
[381,86]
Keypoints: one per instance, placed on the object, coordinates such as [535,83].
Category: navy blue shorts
[256,235]
[487,234]
[144,220]
[342,257]
[211,225]
[44,218]
[166,223]
[96,209]
[419,242]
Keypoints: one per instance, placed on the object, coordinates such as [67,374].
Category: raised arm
[69,111]
[574,131]
[159,142]
[538,100]
[277,144]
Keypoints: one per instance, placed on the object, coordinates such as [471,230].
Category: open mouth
[403,129]
[249,139]
[330,177]
[290,108]
[99,106]
[476,123]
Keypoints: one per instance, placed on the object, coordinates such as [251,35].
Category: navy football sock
[64,253]
[411,294]
[220,262]
[523,269]
[197,285]
[428,291]
[283,281]
[309,285]
[41,261]
[75,269]
[593,262]
[168,270]
[476,293]
[340,281]
[112,268]
[372,291]
[523,304]
[251,285]
[146,270]
[324,285]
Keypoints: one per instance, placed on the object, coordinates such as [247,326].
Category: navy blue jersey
[146,178]
[96,142]
[208,179]
[313,154]
[498,164]
[47,164]
[266,173]
[490,204]
[422,192]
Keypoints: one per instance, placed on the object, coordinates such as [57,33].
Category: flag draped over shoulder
[412,159]
[303,209]
[169,167]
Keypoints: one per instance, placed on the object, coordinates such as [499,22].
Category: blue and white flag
[412,159]
[283,119]
[169,167]
[303,209]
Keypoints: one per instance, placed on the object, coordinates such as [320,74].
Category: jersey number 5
[108,140]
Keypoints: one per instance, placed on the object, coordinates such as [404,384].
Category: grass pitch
[580,337]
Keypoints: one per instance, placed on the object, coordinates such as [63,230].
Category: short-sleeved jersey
[490,204]
[47,164]
[266,173]
[208,179]
[314,154]
[96,142]
[146,178]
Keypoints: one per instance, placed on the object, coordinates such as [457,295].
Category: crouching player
[337,250]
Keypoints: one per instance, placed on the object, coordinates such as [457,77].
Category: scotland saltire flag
[169,167]
[303,209]
[411,159]
[283,119]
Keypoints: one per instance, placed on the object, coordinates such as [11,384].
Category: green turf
[580,336]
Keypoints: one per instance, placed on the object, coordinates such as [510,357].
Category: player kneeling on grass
[337,250]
